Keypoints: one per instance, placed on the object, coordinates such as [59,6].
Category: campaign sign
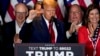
[47,49]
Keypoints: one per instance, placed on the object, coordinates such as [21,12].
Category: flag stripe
[88,2]
[34,1]
[60,10]
[82,3]
[13,3]
[75,2]
[62,7]
[10,11]
[58,13]
[10,15]
[7,17]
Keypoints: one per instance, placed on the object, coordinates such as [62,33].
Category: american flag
[82,3]
[10,15]
[60,10]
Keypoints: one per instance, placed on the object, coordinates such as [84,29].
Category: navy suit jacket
[37,31]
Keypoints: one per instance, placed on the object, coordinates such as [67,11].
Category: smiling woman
[89,34]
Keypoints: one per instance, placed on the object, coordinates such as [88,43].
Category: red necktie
[51,31]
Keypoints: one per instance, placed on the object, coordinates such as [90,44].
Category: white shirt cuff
[28,20]
[68,34]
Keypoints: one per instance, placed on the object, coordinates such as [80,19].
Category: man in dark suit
[73,24]
[11,30]
[37,30]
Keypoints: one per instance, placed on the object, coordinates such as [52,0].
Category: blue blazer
[37,31]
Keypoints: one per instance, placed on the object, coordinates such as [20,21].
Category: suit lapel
[44,29]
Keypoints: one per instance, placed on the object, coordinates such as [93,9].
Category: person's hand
[17,39]
[77,27]
[32,14]
[73,27]
[91,30]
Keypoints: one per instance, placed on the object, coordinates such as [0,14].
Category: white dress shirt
[54,27]
[47,23]
[18,28]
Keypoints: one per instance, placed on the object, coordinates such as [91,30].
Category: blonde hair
[51,3]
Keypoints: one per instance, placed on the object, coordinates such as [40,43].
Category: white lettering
[69,53]
[38,53]
[59,54]
[29,53]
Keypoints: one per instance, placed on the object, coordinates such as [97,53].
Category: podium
[47,49]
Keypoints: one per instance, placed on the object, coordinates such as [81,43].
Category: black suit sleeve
[25,32]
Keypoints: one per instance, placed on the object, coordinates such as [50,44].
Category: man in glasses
[73,23]
[12,29]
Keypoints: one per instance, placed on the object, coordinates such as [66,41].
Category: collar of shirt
[47,22]
[18,28]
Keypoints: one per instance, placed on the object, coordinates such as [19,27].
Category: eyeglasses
[20,13]
[75,12]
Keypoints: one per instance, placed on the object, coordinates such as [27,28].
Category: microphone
[52,19]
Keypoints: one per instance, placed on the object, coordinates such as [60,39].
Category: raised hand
[32,14]
[91,30]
